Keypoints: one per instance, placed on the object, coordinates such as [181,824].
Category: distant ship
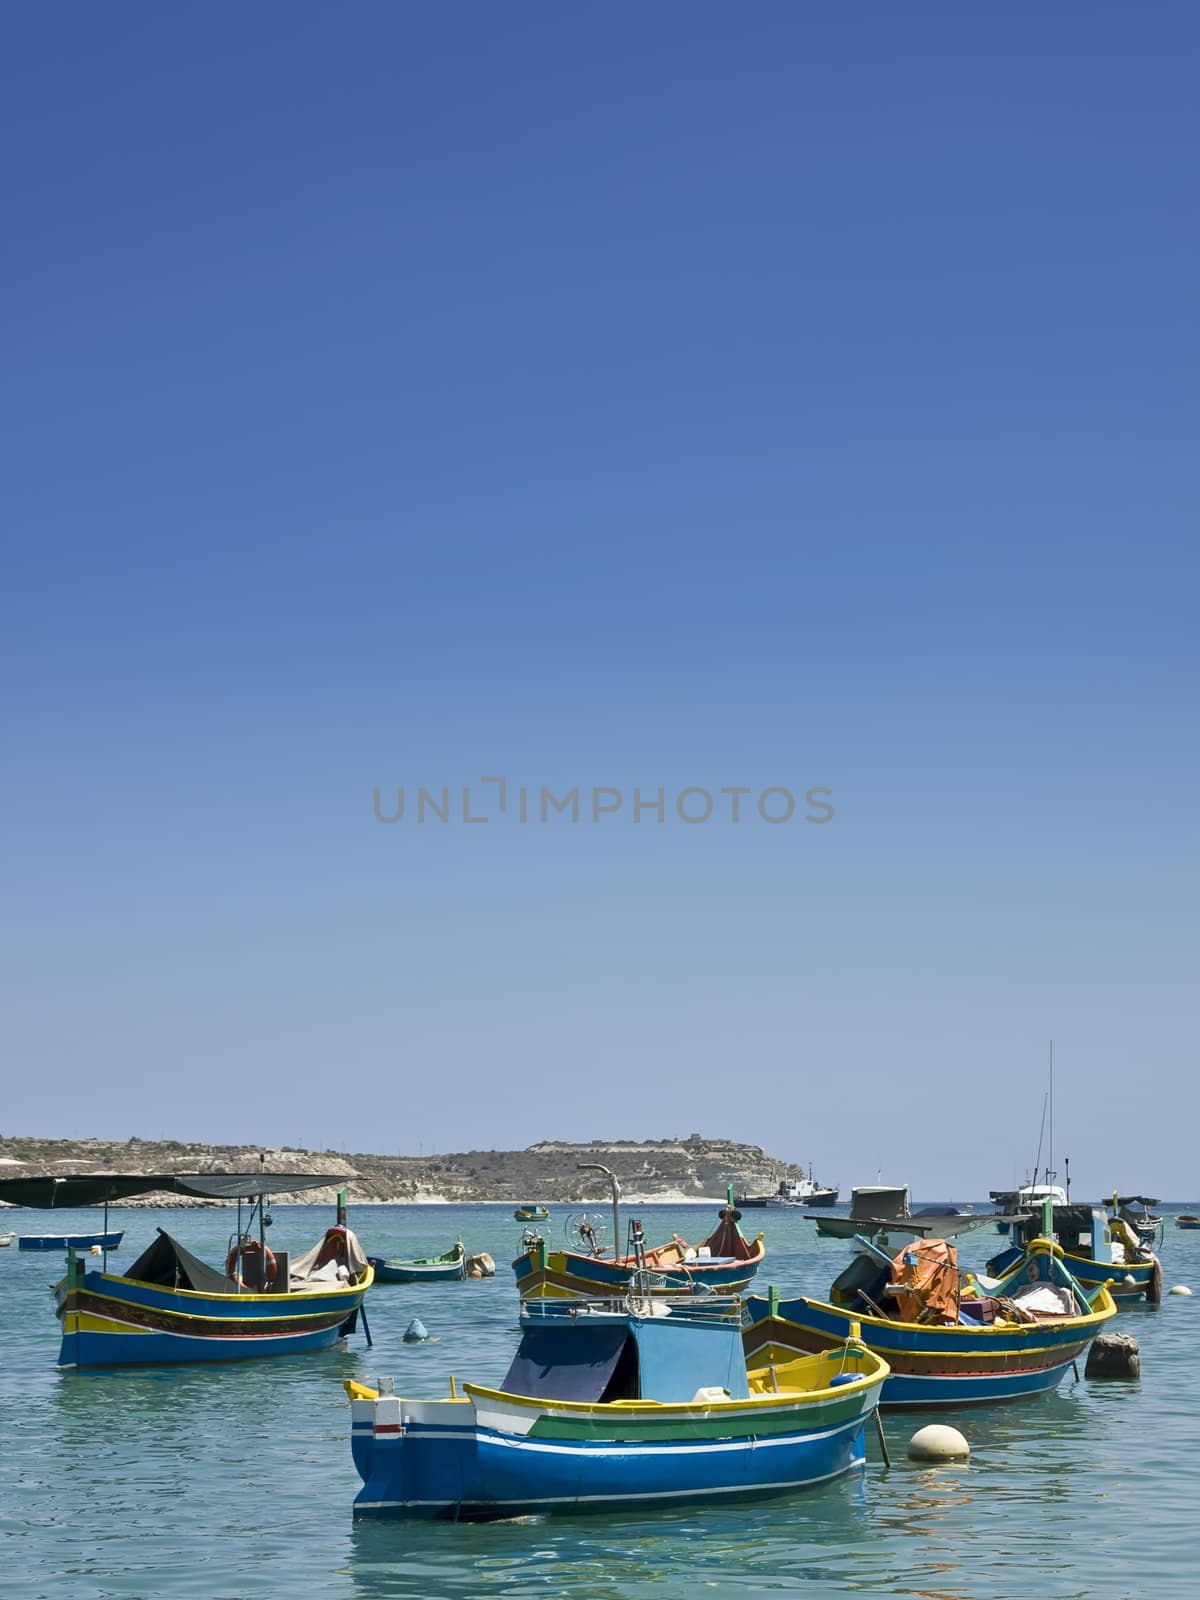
[793,1192]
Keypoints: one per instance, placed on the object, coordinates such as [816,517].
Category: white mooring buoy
[1180,1288]
[937,1442]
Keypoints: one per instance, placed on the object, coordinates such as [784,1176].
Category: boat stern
[415,1457]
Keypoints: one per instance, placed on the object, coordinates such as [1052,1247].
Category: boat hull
[70,1241]
[414,1272]
[931,1366]
[472,1459]
[1144,1277]
[112,1321]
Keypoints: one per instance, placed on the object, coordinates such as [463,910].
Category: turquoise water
[236,1482]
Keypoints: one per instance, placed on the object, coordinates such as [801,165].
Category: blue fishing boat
[172,1307]
[949,1339]
[70,1241]
[725,1262]
[611,1403]
[1098,1250]
[429,1269]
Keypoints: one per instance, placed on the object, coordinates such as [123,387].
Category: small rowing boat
[427,1269]
[70,1241]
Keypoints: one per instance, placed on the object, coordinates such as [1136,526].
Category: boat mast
[594,1166]
[1051,1174]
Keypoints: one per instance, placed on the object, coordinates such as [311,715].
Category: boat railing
[709,1305]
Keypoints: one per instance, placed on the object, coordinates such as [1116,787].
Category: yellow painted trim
[785,1399]
[953,1329]
[239,1299]
[359,1391]
[196,1316]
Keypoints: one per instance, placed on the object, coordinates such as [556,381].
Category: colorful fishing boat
[531,1213]
[70,1241]
[1185,1219]
[1098,1250]
[428,1269]
[172,1307]
[614,1403]
[725,1262]
[949,1340]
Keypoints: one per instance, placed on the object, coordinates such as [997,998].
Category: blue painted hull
[476,1473]
[400,1272]
[108,1321]
[931,1366]
[166,1349]
[70,1241]
[570,1275]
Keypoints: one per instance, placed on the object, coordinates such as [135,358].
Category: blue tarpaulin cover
[574,1363]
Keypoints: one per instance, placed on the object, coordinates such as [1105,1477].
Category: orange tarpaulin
[925,1279]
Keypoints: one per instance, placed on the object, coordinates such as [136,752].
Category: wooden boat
[172,1307]
[1134,1209]
[726,1262]
[614,1403]
[1186,1220]
[1098,1250]
[70,1241]
[947,1342]
[531,1213]
[429,1269]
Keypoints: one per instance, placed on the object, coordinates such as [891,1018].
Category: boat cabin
[595,1353]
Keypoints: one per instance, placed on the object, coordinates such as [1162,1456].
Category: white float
[937,1442]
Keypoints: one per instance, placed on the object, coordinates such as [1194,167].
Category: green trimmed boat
[429,1269]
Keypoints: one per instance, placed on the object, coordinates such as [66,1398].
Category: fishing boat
[949,1339]
[1098,1249]
[1134,1209]
[802,1191]
[531,1213]
[726,1261]
[6,1239]
[611,1403]
[172,1307]
[1185,1219]
[70,1241]
[427,1269]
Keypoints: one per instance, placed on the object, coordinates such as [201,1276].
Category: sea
[235,1482]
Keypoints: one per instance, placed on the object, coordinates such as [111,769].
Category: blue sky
[788,396]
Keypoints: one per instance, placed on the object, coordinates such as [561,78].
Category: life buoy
[251,1247]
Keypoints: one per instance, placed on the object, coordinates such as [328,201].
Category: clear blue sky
[694,395]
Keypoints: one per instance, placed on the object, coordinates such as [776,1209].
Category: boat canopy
[575,1363]
[96,1188]
[666,1355]
[172,1265]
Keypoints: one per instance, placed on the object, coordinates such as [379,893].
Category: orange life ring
[250,1247]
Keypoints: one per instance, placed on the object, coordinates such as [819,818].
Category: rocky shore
[649,1170]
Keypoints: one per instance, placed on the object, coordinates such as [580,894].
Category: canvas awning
[569,1363]
[94,1188]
